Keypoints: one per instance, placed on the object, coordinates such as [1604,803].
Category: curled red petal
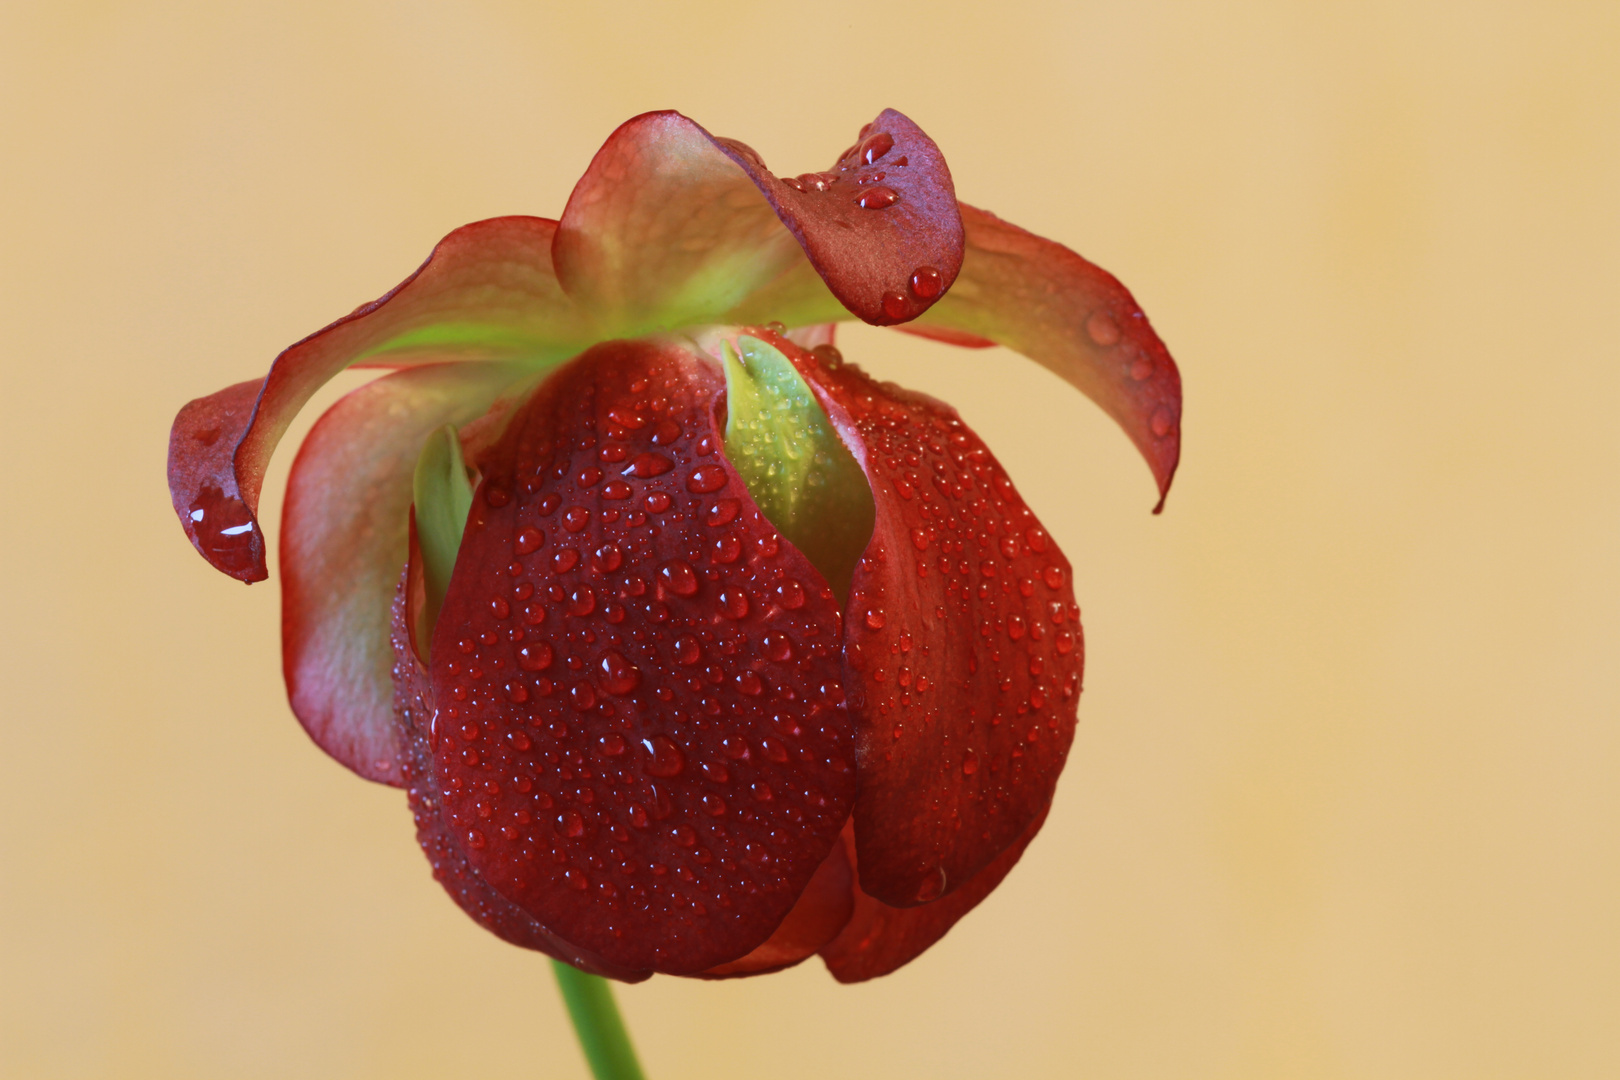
[487,290]
[1041,299]
[963,651]
[441,841]
[203,486]
[343,539]
[663,230]
[879,939]
[641,727]
[822,912]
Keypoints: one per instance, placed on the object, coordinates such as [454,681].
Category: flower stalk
[601,1031]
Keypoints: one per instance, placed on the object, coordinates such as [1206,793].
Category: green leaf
[800,474]
[443,496]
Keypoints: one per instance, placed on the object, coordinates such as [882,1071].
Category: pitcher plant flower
[697,650]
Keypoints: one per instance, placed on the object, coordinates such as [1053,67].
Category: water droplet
[475,839]
[750,683]
[571,824]
[1162,421]
[684,835]
[735,747]
[499,608]
[828,354]
[665,758]
[582,601]
[970,763]
[932,887]
[589,475]
[778,647]
[535,656]
[1035,537]
[1009,547]
[874,619]
[678,577]
[1064,643]
[619,676]
[576,878]
[727,548]
[615,490]
[876,146]
[877,197]
[496,497]
[576,518]
[1016,627]
[649,464]
[895,305]
[687,650]
[613,745]
[1053,576]
[706,478]
[657,502]
[714,804]
[1102,328]
[606,559]
[794,182]
[627,418]
[733,603]
[528,539]
[774,750]
[926,282]
[582,696]
[790,594]
[1141,369]
[638,815]
[723,512]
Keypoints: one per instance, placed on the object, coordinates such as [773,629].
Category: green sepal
[799,473]
[443,497]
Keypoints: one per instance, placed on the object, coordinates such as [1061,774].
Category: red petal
[203,488]
[413,705]
[641,726]
[880,939]
[822,911]
[962,645]
[342,543]
[1043,300]
[664,231]
[487,290]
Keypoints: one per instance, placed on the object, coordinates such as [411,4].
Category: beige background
[1344,801]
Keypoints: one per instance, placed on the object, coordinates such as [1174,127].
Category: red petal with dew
[663,230]
[486,291]
[879,939]
[641,727]
[963,648]
[822,912]
[343,540]
[1041,299]
[440,841]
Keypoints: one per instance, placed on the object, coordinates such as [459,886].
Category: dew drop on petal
[619,676]
[665,758]
[1102,328]
[926,282]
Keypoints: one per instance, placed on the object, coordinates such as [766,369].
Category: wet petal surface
[963,648]
[641,727]
[1041,299]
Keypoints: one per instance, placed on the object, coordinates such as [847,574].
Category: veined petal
[962,645]
[343,541]
[487,291]
[879,939]
[442,842]
[641,727]
[1041,299]
[671,226]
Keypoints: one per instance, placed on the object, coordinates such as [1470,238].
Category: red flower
[721,677]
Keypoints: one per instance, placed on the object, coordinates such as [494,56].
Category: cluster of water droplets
[641,722]
[965,635]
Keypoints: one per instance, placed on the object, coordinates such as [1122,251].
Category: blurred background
[1344,799]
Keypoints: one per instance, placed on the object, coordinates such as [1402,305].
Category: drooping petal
[824,908]
[343,541]
[641,727]
[962,648]
[879,939]
[671,226]
[1041,299]
[486,292]
[413,705]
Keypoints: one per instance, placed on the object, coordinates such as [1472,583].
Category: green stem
[597,1023]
